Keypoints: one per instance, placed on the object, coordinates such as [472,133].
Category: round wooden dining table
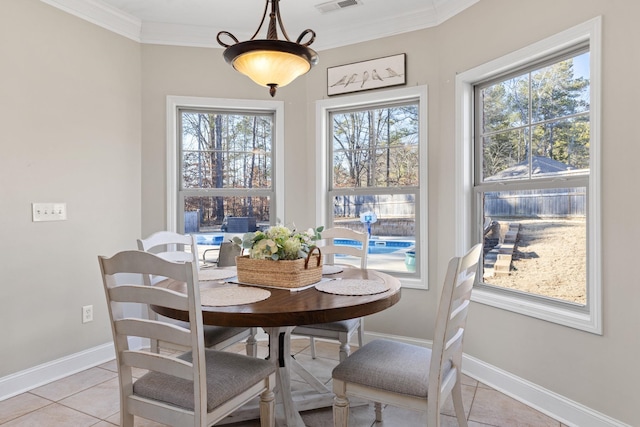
[286,308]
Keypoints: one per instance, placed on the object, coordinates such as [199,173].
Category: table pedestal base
[288,403]
[303,401]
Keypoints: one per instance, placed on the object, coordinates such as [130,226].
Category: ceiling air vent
[336,4]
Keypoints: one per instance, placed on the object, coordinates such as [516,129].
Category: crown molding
[178,35]
[103,15]
[199,36]
[432,14]
[429,16]
[447,9]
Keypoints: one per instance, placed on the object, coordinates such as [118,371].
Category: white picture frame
[366,75]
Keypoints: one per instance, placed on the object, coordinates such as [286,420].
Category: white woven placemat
[331,269]
[232,295]
[217,273]
[353,287]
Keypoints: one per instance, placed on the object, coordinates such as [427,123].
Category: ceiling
[197,22]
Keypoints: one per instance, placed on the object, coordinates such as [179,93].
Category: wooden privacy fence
[396,227]
[557,203]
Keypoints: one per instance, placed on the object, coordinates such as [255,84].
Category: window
[529,185]
[222,162]
[374,178]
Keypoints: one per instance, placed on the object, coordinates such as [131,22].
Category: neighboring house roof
[539,166]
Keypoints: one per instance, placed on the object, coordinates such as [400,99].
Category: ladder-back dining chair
[196,388]
[411,376]
[342,330]
[180,248]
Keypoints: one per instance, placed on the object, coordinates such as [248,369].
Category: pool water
[379,246]
[376,246]
[209,239]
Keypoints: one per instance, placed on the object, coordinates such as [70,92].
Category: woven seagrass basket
[282,274]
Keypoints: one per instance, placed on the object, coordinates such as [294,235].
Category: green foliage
[279,243]
[228,151]
[544,112]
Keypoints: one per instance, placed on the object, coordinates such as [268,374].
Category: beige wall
[579,365]
[597,371]
[180,71]
[70,120]
[92,114]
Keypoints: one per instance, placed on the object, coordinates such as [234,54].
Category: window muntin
[468,224]
[374,167]
[540,114]
[532,178]
[226,160]
[375,147]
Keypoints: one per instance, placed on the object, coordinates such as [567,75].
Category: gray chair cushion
[389,365]
[212,334]
[216,334]
[228,374]
[339,326]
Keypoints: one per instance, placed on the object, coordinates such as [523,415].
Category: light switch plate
[49,211]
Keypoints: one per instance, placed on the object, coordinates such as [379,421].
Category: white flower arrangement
[279,243]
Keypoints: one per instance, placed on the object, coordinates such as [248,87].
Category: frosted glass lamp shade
[271,67]
[271,63]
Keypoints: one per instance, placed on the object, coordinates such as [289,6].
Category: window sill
[562,314]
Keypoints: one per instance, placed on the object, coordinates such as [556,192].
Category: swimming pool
[376,246]
[379,246]
[209,239]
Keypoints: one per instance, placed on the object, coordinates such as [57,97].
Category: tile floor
[90,398]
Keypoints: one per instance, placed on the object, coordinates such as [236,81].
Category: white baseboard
[558,407]
[23,381]
[552,404]
[546,401]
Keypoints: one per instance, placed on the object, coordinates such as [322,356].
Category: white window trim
[176,102]
[589,319]
[323,107]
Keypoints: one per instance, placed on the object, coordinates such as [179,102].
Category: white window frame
[588,318]
[174,103]
[323,108]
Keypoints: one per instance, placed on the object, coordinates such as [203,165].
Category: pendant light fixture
[271,62]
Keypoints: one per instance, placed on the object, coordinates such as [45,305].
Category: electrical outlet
[87,313]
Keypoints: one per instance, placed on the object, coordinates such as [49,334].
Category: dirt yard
[549,260]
